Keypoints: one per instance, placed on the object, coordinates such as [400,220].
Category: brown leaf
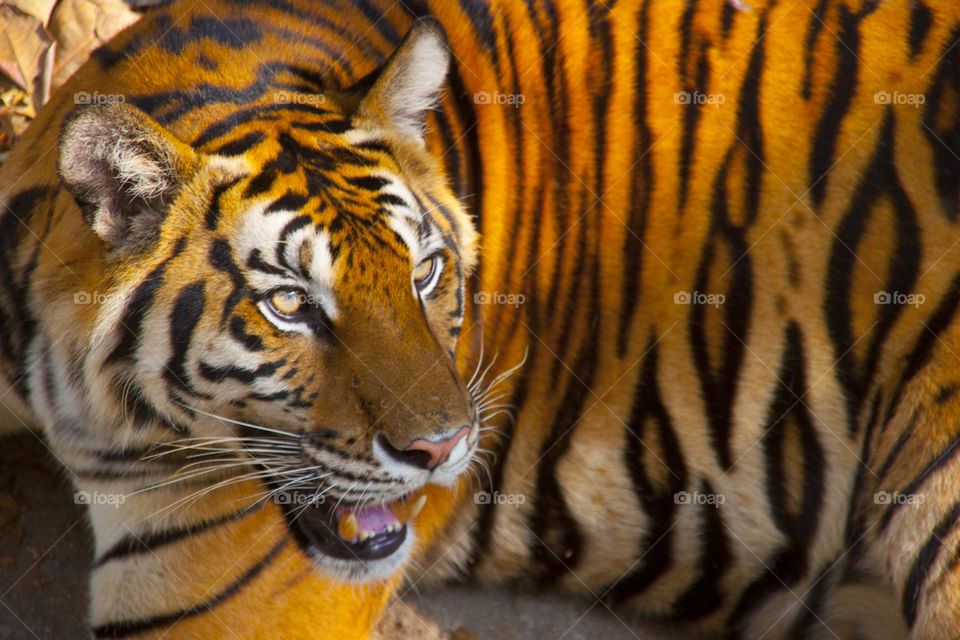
[23,43]
[80,26]
[39,9]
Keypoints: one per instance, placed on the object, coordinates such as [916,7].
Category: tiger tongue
[355,520]
[363,522]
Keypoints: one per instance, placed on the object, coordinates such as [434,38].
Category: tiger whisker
[242,423]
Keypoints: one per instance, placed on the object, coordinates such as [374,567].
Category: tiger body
[717,263]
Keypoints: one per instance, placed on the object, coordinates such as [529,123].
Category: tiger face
[299,300]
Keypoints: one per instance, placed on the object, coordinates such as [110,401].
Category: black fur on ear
[123,169]
[409,84]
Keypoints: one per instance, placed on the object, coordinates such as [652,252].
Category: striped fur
[721,245]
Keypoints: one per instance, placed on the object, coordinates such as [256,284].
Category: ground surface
[44,561]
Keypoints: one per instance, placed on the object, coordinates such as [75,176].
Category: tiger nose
[428,454]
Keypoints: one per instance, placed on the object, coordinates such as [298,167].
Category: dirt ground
[45,558]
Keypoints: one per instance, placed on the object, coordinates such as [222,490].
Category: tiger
[653,302]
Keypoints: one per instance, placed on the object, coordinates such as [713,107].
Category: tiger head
[293,287]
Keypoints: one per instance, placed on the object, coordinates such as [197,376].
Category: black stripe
[213,210]
[168,106]
[790,563]
[241,145]
[391,199]
[294,225]
[749,128]
[920,571]
[905,436]
[256,263]
[727,13]
[483,30]
[133,544]
[260,184]
[246,376]
[879,180]
[788,412]
[221,258]
[719,386]
[913,487]
[784,568]
[377,20]
[127,628]
[241,116]
[186,313]
[559,541]
[922,350]
[943,133]
[487,512]
[287,202]
[367,183]
[690,111]
[842,88]
[131,323]
[660,503]
[921,19]
[810,43]
[704,596]
[17,324]
[641,189]
[238,329]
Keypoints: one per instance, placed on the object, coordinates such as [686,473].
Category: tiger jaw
[358,542]
[372,540]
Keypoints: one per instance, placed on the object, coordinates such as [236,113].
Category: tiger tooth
[365,535]
[416,507]
[348,526]
[404,512]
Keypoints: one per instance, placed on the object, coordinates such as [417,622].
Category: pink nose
[439,451]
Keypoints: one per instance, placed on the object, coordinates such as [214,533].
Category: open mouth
[352,532]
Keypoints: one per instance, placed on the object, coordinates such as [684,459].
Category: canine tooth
[348,526]
[404,512]
[414,510]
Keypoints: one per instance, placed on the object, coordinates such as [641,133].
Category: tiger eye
[287,301]
[424,270]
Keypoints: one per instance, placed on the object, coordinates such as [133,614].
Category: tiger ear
[409,84]
[123,169]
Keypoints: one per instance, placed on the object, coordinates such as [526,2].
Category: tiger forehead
[345,185]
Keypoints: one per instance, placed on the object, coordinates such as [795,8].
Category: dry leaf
[80,26]
[16,113]
[39,9]
[23,44]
